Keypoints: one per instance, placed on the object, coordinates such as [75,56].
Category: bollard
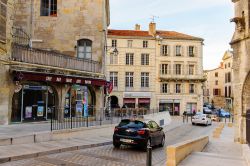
[149,156]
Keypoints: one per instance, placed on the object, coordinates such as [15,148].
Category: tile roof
[163,34]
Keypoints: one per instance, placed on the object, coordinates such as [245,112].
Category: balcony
[182,75]
[22,53]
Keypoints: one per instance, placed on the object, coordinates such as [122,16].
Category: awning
[128,100]
[144,100]
[169,101]
[19,76]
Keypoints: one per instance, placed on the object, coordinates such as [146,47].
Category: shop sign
[40,111]
[34,87]
[137,94]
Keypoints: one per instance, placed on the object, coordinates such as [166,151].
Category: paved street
[125,156]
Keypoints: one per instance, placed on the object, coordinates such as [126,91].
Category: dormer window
[48,8]
[84,48]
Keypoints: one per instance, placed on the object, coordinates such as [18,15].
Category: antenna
[153,18]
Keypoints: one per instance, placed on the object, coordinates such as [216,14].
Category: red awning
[58,79]
[144,100]
[128,100]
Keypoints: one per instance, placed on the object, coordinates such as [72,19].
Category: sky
[208,19]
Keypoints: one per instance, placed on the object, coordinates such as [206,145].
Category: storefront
[144,103]
[32,102]
[173,106]
[129,102]
[79,101]
[38,95]
[191,107]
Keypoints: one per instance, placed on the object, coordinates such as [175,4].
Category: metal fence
[248,127]
[100,117]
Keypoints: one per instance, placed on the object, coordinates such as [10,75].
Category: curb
[53,151]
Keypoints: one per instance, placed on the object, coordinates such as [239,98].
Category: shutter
[174,50]
[187,51]
[168,50]
[196,51]
[161,51]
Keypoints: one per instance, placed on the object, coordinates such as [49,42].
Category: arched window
[84,48]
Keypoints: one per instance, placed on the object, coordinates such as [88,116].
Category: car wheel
[162,141]
[116,145]
[193,123]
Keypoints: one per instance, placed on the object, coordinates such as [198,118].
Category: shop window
[84,49]
[49,8]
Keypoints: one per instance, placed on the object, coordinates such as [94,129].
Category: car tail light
[203,118]
[141,132]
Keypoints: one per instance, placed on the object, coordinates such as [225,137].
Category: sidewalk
[86,138]
[221,151]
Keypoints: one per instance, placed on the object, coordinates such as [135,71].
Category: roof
[228,54]
[163,34]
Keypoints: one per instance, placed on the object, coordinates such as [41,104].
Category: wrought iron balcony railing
[26,54]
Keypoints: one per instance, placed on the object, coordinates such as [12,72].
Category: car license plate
[126,140]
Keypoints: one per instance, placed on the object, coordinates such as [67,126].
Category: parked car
[223,113]
[141,133]
[201,119]
[206,110]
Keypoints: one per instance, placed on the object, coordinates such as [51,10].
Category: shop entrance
[114,102]
[169,105]
[33,103]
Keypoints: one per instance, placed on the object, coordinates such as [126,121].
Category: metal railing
[100,117]
[26,54]
[20,37]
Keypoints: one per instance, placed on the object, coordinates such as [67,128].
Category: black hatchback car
[140,133]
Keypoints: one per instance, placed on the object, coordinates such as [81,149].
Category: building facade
[155,70]
[241,68]
[218,84]
[55,65]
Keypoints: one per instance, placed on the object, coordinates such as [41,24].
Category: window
[228,77]
[225,91]
[217,92]
[114,78]
[191,69]
[130,42]
[178,51]
[113,58]
[3,15]
[191,51]
[129,59]
[229,91]
[164,50]
[84,49]
[114,43]
[164,69]
[145,44]
[225,66]
[48,8]
[229,65]
[216,82]
[129,80]
[144,79]
[191,88]
[164,88]
[178,69]
[177,88]
[216,74]
[144,59]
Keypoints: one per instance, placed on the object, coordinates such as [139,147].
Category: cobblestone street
[125,156]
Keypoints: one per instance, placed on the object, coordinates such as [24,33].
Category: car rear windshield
[131,124]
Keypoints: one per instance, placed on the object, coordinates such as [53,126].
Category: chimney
[137,27]
[152,28]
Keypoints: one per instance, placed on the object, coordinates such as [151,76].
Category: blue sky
[208,19]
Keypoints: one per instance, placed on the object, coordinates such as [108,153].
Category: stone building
[241,67]
[218,84]
[155,69]
[56,60]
